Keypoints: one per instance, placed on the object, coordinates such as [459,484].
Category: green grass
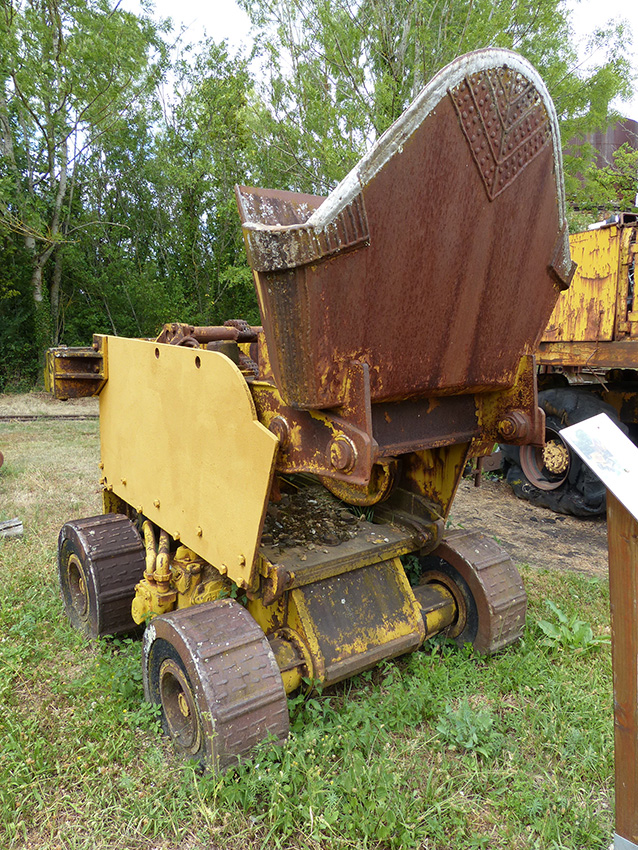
[439,750]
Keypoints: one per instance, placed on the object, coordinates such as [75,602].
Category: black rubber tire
[100,560]
[581,493]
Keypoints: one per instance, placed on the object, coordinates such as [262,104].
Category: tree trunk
[41,312]
[56,324]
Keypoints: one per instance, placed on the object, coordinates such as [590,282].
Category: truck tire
[555,477]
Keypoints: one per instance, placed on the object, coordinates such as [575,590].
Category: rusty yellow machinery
[265,488]
[588,364]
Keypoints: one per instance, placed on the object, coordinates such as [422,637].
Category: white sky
[224,19]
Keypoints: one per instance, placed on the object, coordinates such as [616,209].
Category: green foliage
[340,72]
[117,211]
[204,148]
[607,189]
[70,72]
[470,729]
[413,569]
[18,355]
[570,633]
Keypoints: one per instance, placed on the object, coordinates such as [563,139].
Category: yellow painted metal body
[190,447]
[595,322]
[181,444]
[348,622]
[587,310]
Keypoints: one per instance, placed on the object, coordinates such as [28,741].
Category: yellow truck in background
[587,364]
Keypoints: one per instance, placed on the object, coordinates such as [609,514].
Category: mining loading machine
[588,364]
[400,318]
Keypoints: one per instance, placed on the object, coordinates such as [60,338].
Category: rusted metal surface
[274,207]
[382,481]
[229,695]
[235,330]
[272,249]
[75,372]
[100,560]
[400,317]
[434,474]
[591,355]
[623,592]
[505,123]
[513,415]
[346,443]
[306,439]
[413,511]
[432,297]
[371,544]
[495,586]
[599,306]
[352,621]
[587,311]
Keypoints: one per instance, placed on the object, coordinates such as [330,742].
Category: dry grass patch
[41,403]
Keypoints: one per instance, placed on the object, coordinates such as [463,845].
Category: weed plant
[439,750]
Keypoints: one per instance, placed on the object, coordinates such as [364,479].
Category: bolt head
[281,429]
[342,453]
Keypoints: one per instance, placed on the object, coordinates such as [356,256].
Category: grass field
[439,750]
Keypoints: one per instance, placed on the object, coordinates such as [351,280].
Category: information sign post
[614,458]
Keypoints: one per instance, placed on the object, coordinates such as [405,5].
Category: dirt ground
[534,536]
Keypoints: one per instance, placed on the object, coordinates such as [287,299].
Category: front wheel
[212,672]
[554,476]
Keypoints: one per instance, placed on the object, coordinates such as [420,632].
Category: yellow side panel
[586,312]
[181,443]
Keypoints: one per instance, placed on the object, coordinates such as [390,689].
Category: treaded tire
[100,560]
[213,673]
[490,598]
[581,493]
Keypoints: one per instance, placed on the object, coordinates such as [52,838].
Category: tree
[340,71]
[206,147]
[608,189]
[69,70]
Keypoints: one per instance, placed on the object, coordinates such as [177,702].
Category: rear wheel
[211,670]
[488,592]
[554,476]
[100,560]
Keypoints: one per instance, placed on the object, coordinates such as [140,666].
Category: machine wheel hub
[556,457]
[77,586]
[546,468]
[460,621]
[178,702]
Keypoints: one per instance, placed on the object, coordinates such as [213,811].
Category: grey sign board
[608,453]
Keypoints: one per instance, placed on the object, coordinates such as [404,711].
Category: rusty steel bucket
[436,261]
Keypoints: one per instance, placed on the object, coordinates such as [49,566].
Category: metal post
[622,530]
